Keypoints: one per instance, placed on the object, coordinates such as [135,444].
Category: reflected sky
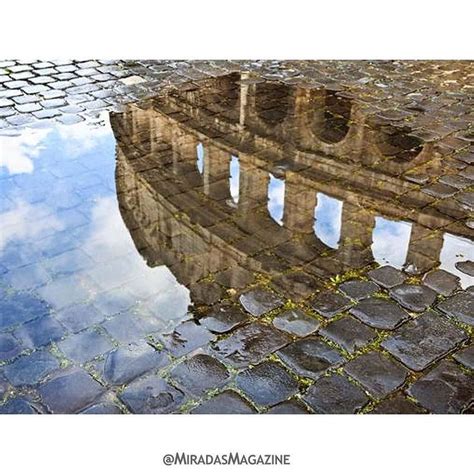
[390,242]
[456,249]
[327,220]
[276,198]
[60,220]
[234,179]
[200,158]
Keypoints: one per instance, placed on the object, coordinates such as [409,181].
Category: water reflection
[327,224]
[300,166]
[390,242]
[276,198]
[62,234]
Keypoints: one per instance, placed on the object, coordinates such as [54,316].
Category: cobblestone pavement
[245,237]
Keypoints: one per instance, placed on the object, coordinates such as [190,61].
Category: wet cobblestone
[221,255]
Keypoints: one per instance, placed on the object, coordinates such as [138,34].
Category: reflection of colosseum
[179,207]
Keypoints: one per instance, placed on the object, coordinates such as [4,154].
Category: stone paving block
[78,317]
[398,405]
[335,395]
[466,357]
[152,395]
[460,307]
[296,322]
[258,302]
[37,88]
[466,267]
[466,198]
[126,363]
[30,369]
[42,80]
[102,409]
[16,85]
[6,102]
[114,301]
[186,337]
[70,391]
[26,99]
[413,297]
[329,304]
[25,108]
[9,347]
[288,407]
[387,276]
[348,333]
[28,277]
[442,282]
[455,181]
[53,103]
[225,403]
[379,313]
[310,357]
[424,340]
[64,292]
[445,389]
[20,308]
[125,328]
[65,76]
[235,278]
[85,346]
[40,332]
[267,383]
[52,94]
[223,319]
[297,285]
[359,289]
[61,85]
[250,344]
[18,406]
[377,373]
[200,373]
[46,113]
[440,190]
[7,111]
[22,76]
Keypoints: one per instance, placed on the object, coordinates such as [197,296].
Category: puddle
[178,202]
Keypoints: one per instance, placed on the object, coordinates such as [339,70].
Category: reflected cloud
[26,222]
[276,198]
[327,220]
[234,179]
[390,242]
[17,153]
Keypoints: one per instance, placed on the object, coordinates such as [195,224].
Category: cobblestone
[152,395]
[424,340]
[377,373]
[348,333]
[214,217]
[267,384]
[445,389]
[335,394]
[225,403]
[310,357]
[379,313]
[70,391]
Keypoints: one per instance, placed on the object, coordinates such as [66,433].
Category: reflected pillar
[424,249]
[216,172]
[355,243]
[300,202]
[253,194]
